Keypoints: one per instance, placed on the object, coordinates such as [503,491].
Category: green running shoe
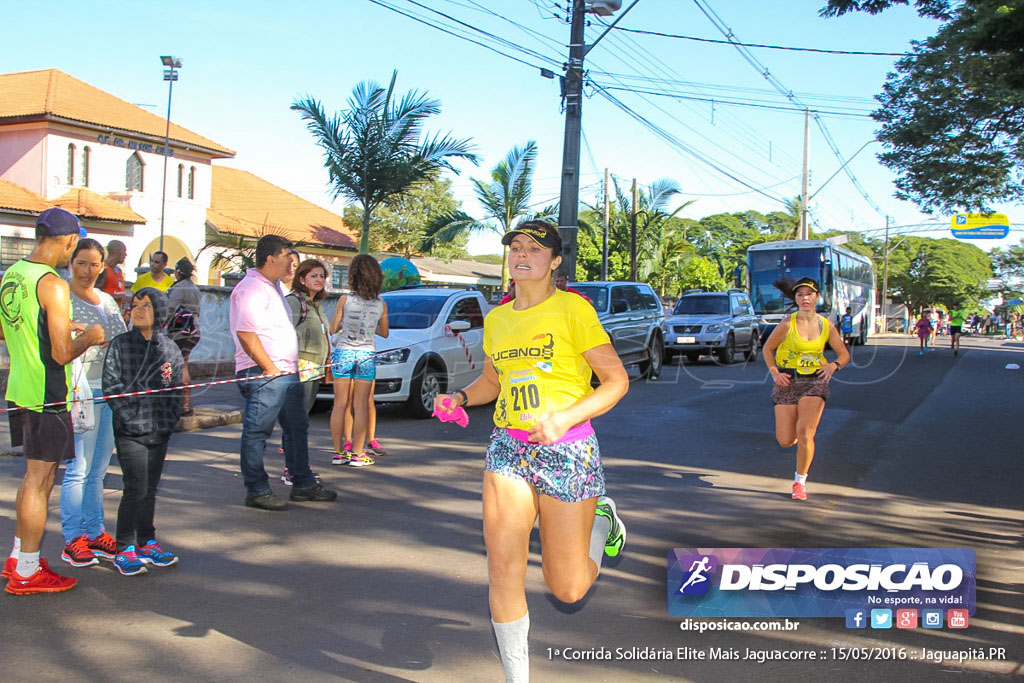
[617,533]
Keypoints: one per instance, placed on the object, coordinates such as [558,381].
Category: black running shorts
[48,436]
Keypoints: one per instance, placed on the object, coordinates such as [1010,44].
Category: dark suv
[712,322]
[632,315]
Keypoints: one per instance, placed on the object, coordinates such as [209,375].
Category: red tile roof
[17,198]
[51,94]
[87,204]
[245,204]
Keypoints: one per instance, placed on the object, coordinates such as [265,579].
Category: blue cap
[57,222]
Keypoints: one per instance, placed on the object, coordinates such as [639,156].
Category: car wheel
[651,368]
[426,385]
[693,356]
[727,353]
[752,352]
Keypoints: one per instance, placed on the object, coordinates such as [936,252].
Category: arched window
[192,182]
[86,151]
[133,172]
[71,164]
[181,178]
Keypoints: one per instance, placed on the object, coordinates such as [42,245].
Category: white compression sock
[514,646]
[598,537]
[17,547]
[799,478]
[28,563]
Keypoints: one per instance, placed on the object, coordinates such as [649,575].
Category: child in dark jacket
[140,359]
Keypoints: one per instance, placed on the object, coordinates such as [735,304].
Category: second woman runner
[795,356]
[543,460]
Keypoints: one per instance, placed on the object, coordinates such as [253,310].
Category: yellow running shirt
[797,353]
[538,355]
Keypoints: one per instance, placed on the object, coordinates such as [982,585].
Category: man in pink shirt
[265,344]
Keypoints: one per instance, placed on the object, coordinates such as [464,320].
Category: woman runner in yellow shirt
[795,356]
[543,460]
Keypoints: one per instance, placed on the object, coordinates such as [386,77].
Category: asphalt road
[390,584]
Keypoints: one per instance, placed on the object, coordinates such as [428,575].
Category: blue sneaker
[153,554]
[128,563]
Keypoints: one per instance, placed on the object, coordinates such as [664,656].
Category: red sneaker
[43,581]
[799,491]
[78,554]
[103,546]
[9,564]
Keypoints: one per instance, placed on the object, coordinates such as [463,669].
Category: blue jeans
[81,493]
[266,401]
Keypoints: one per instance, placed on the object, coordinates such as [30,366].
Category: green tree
[1009,263]
[661,241]
[373,150]
[399,224]
[952,113]
[506,199]
[949,272]
[701,273]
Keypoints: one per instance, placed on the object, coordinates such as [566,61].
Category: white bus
[846,279]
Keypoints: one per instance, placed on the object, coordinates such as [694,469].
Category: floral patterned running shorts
[569,471]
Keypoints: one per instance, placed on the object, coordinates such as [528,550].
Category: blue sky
[245,62]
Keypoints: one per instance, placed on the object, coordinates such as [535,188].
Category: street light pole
[170,75]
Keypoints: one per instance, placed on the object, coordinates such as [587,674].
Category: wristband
[838,366]
[465,399]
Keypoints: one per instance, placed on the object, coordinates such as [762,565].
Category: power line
[454,34]
[738,103]
[718,23]
[679,145]
[760,45]
[628,50]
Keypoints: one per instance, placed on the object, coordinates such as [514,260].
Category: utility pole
[885,280]
[607,216]
[632,235]
[803,183]
[568,208]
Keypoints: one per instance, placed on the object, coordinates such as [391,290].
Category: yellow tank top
[797,353]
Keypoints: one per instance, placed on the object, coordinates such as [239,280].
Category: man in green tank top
[35,317]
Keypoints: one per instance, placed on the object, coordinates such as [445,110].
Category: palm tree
[505,199]
[794,212]
[372,150]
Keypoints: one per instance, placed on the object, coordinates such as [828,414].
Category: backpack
[183,324]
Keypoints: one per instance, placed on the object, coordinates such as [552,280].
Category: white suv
[435,345]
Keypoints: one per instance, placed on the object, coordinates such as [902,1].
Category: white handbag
[83,411]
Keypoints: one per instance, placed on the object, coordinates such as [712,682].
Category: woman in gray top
[81,493]
[308,291]
[184,301]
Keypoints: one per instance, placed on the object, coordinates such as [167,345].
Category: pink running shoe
[799,491]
